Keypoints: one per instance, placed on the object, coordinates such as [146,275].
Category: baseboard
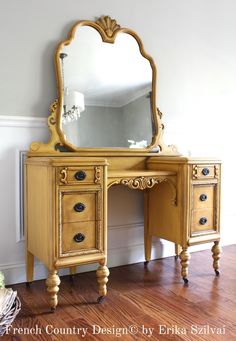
[15,272]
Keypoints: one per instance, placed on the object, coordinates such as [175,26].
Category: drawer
[203,196]
[78,236]
[205,171]
[79,206]
[203,220]
[80,175]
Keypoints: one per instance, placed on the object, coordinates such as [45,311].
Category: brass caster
[146,263]
[53,309]
[100,299]
[185,280]
[217,272]
[27,284]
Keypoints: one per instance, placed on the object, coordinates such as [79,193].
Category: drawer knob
[203,197]
[79,207]
[203,221]
[80,175]
[79,237]
[205,171]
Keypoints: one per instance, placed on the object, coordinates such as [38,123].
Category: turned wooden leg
[177,250]
[147,248]
[147,237]
[53,282]
[216,254]
[73,270]
[29,268]
[102,278]
[184,261]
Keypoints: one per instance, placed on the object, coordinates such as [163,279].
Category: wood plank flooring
[142,303]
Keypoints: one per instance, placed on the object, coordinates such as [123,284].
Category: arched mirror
[106,85]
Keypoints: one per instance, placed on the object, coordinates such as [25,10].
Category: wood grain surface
[152,297]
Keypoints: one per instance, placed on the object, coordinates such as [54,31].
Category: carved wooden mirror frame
[108,29]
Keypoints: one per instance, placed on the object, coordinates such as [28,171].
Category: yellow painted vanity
[105,131]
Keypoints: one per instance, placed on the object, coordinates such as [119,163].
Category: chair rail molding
[22,121]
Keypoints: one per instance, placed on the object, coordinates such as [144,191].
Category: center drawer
[79,207]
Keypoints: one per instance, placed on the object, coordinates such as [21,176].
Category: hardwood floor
[139,300]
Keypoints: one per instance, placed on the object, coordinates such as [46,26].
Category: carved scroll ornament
[143,183]
[97,177]
[63,175]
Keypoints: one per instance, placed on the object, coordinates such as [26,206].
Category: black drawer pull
[79,237]
[79,207]
[203,197]
[80,175]
[203,221]
[205,171]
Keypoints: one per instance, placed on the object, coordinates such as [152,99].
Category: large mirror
[106,88]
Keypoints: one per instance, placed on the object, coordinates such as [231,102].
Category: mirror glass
[106,92]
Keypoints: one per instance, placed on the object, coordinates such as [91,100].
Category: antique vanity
[106,130]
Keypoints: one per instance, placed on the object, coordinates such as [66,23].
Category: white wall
[193,44]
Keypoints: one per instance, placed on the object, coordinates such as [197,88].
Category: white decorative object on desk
[138,144]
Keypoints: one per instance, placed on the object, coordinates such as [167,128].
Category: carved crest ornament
[109,25]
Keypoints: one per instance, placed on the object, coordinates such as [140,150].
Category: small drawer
[78,236]
[203,220]
[205,171]
[203,196]
[80,175]
[78,207]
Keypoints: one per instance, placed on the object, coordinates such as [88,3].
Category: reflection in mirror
[106,92]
